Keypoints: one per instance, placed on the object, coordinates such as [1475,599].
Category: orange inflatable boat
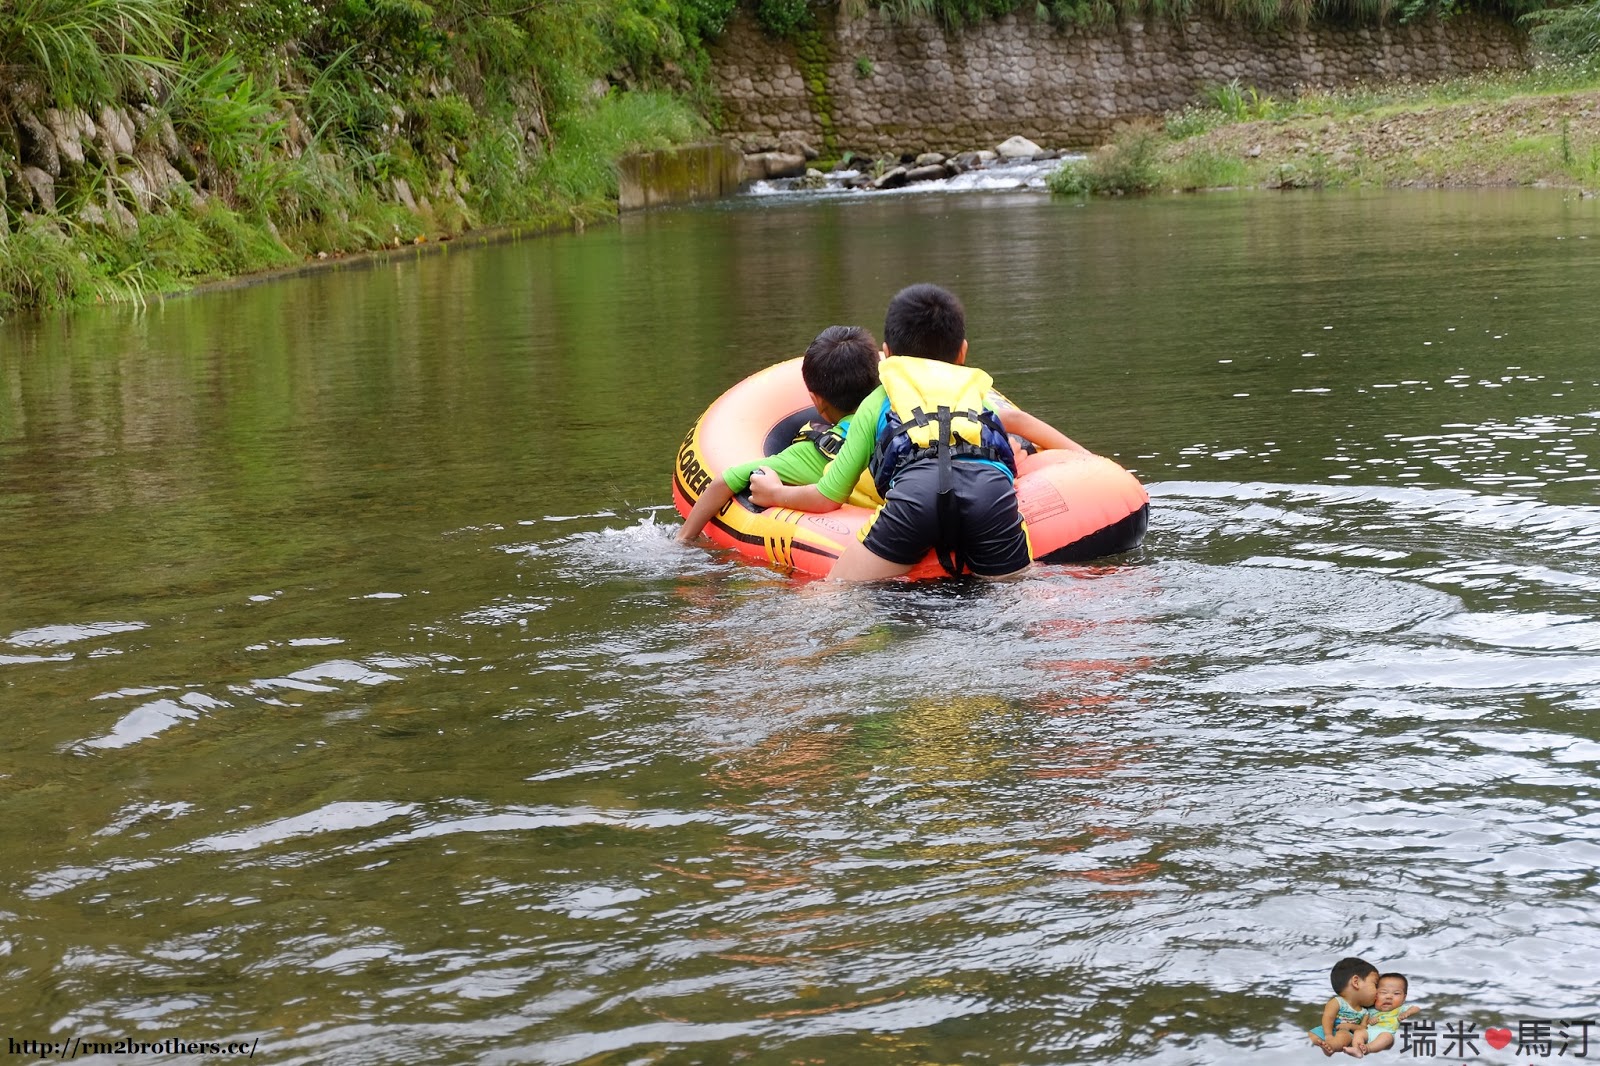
[1078,505]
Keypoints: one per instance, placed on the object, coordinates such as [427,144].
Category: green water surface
[355,702]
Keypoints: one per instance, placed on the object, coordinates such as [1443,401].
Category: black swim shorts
[988,534]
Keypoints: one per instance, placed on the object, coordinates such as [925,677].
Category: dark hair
[1347,968]
[841,366]
[927,322]
[1405,986]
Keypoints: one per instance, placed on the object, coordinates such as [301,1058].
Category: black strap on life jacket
[947,540]
[947,545]
[947,445]
[824,435]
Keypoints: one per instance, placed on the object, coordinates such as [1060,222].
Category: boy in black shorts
[936,443]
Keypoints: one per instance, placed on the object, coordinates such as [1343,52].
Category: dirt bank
[1520,140]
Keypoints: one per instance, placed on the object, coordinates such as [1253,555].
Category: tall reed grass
[85,52]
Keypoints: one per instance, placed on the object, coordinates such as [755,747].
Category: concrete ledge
[681,175]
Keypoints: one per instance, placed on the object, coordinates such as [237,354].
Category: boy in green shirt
[840,368]
[936,441]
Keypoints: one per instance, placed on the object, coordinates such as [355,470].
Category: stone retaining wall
[872,86]
[120,162]
[135,153]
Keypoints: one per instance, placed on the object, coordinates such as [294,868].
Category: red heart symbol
[1497,1038]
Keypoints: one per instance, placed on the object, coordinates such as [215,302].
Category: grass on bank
[1234,102]
[283,209]
[1541,125]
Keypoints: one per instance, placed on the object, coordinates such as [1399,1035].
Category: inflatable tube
[1078,505]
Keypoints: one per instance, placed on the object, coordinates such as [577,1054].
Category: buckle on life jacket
[824,436]
[962,450]
[894,447]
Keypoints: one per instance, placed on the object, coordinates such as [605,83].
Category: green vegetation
[1239,103]
[87,51]
[312,129]
[1528,127]
[812,55]
[783,18]
[1129,164]
[1571,32]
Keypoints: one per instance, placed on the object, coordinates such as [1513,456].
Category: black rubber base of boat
[1119,537]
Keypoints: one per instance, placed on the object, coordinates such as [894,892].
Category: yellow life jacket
[935,409]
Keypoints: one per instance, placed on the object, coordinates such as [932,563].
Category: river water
[357,704]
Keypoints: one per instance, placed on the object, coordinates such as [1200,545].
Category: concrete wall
[679,175]
[930,89]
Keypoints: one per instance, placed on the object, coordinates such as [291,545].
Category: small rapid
[998,176]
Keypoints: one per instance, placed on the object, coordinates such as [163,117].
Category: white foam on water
[997,177]
[646,548]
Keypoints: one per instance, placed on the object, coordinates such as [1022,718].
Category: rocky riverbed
[1014,163]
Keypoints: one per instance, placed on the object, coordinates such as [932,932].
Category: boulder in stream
[1017,149]
[892,179]
[796,146]
[758,166]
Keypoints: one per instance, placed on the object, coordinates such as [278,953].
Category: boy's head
[841,367]
[1356,980]
[1392,989]
[927,322]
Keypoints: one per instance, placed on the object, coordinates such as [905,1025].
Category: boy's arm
[798,464]
[767,490]
[713,499]
[1042,433]
[1329,1013]
[1408,1012]
[837,481]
